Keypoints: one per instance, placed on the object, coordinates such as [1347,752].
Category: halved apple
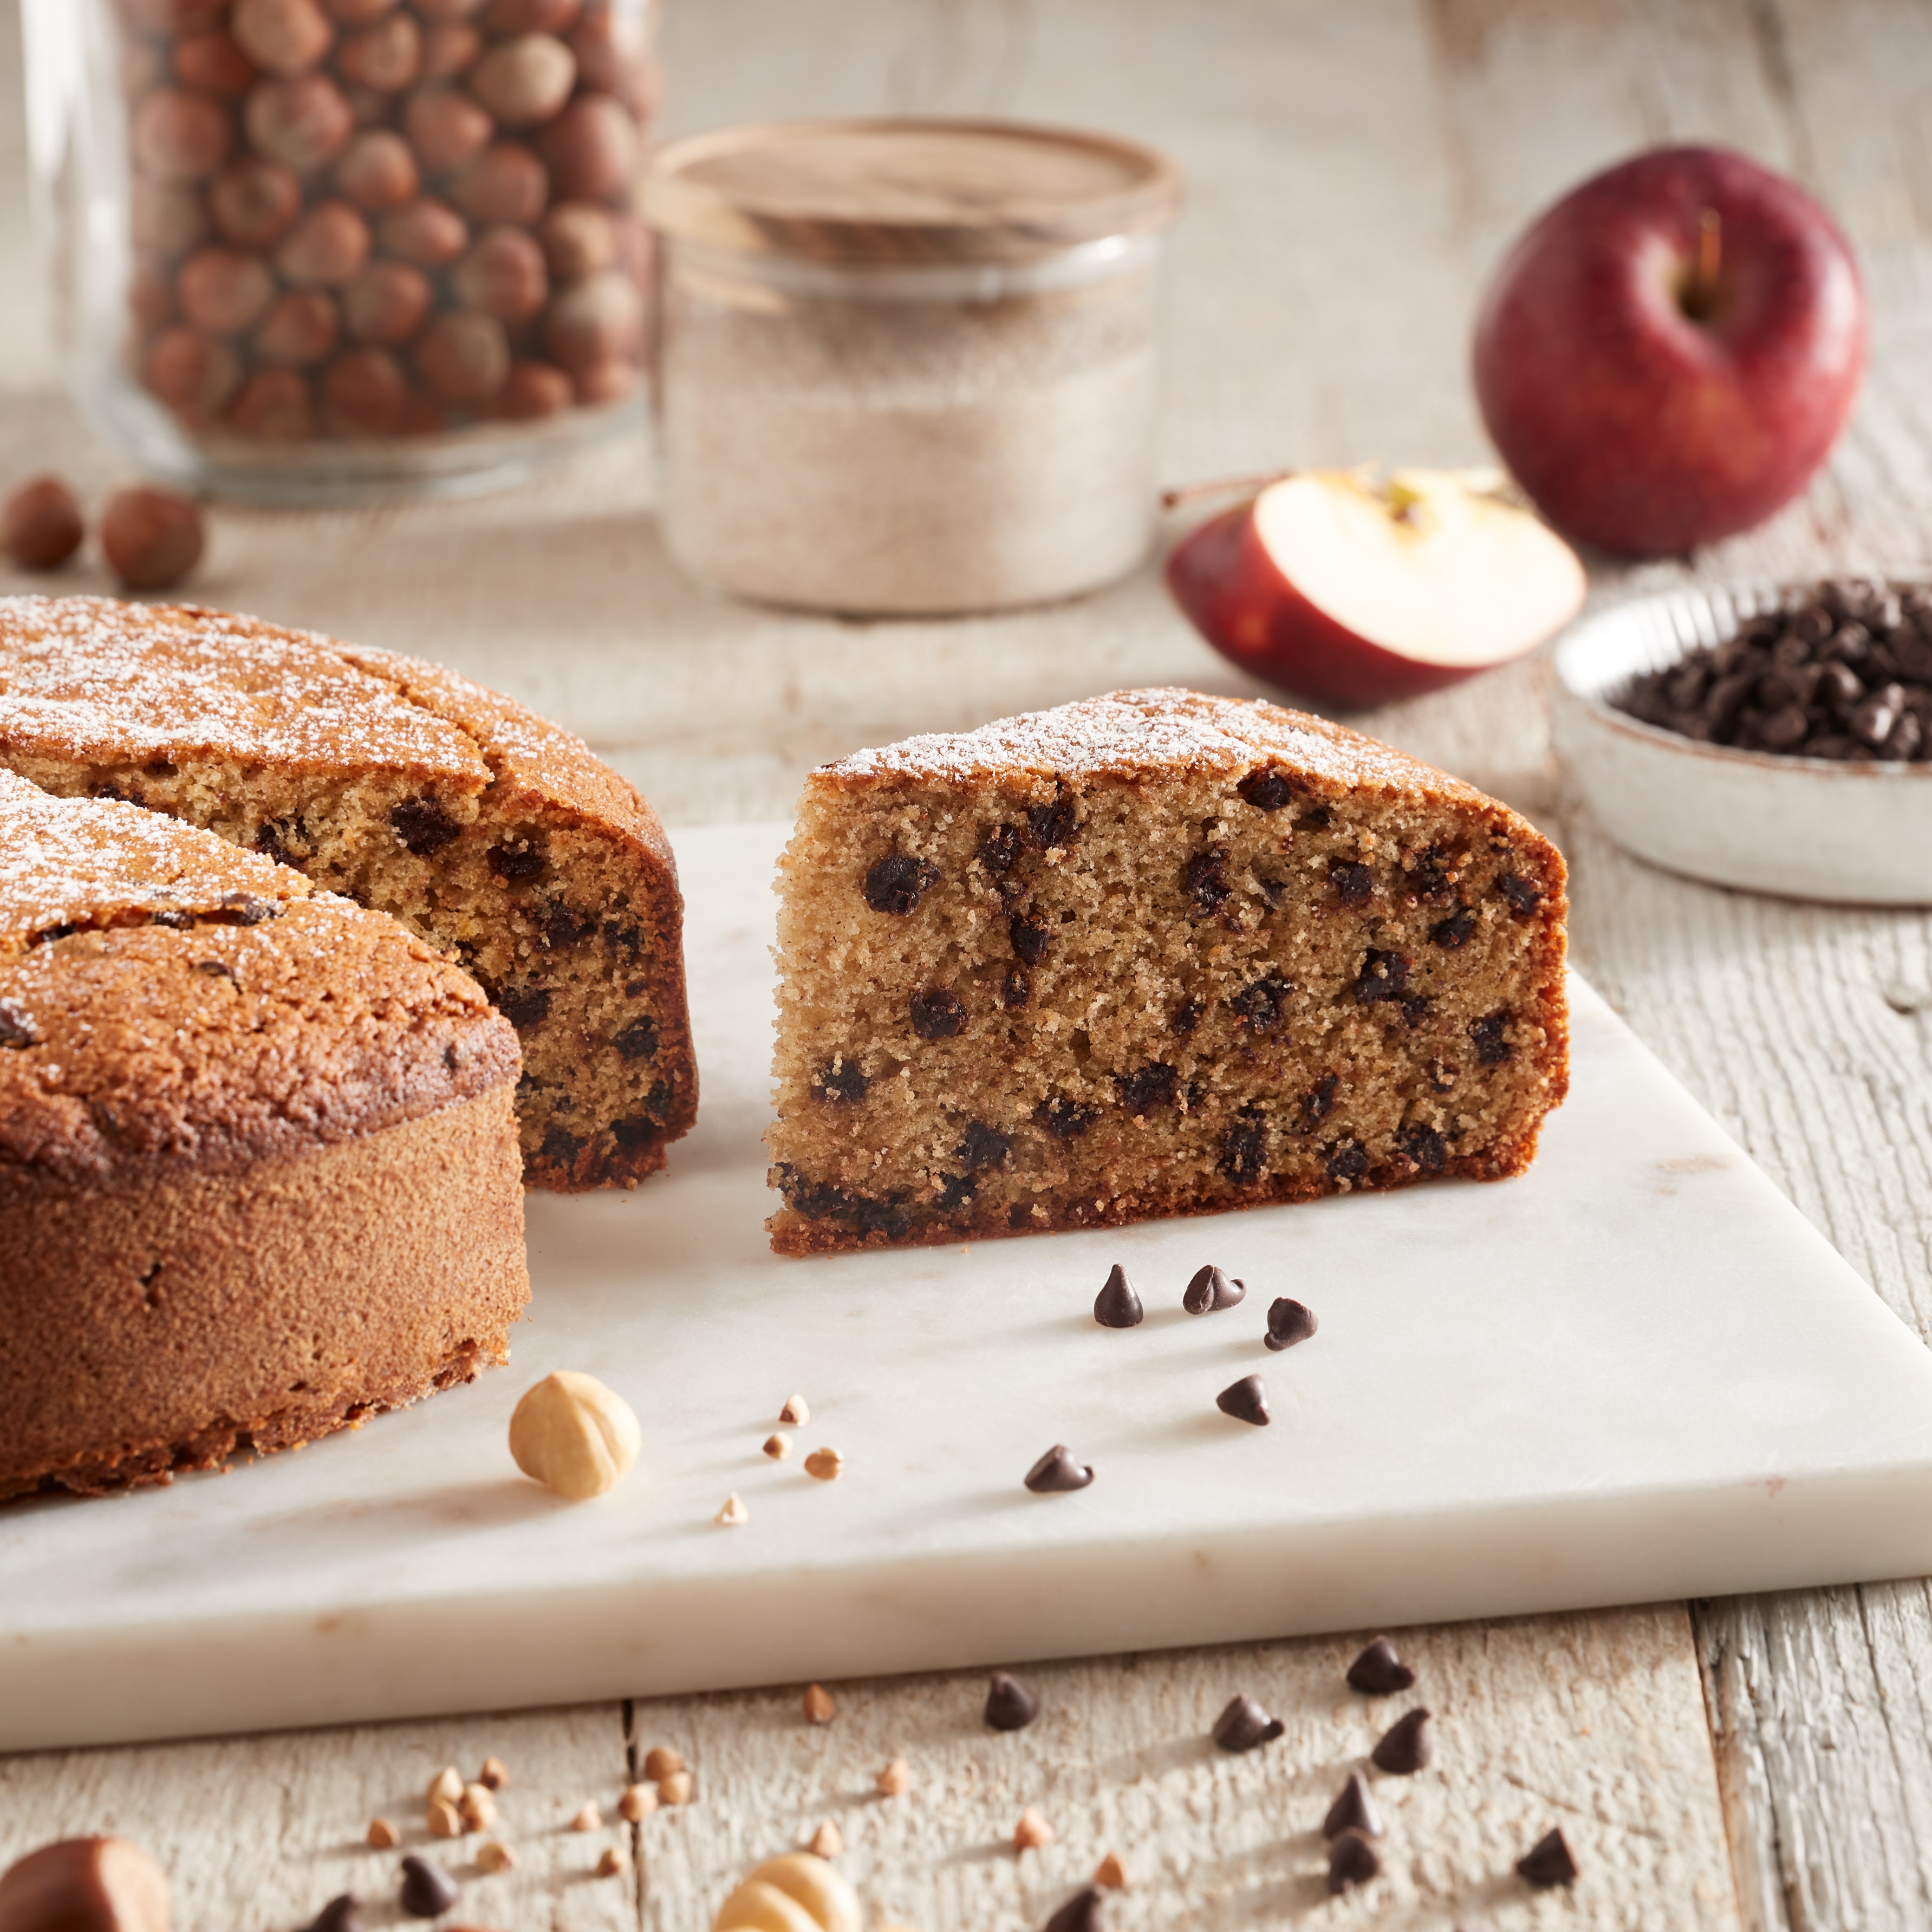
[1355,589]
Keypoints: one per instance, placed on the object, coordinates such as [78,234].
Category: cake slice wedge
[1153,953]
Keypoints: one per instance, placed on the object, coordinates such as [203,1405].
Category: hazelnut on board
[85,1885]
[574,1435]
[797,1889]
[41,524]
[152,539]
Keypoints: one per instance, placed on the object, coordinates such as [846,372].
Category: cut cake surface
[1153,953]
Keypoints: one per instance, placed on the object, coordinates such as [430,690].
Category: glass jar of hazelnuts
[318,251]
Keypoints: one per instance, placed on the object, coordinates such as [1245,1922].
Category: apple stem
[1225,486]
[1701,295]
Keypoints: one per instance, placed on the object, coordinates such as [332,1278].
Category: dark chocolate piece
[1010,1704]
[1289,1321]
[1244,1726]
[1408,1746]
[1353,1810]
[427,1891]
[1378,1671]
[1548,1862]
[343,1913]
[1266,790]
[1352,1860]
[1117,1306]
[1084,1911]
[897,883]
[1211,1290]
[1057,1471]
[1246,1401]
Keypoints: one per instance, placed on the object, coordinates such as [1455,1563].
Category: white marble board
[1635,1373]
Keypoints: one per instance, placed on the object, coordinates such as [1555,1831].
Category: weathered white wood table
[1764,1763]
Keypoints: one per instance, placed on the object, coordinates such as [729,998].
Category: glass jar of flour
[907,366]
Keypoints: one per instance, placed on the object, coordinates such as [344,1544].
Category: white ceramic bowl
[1807,828]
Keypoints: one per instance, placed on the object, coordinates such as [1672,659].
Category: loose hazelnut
[463,359]
[194,374]
[41,525]
[569,1431]
[379,171]
[895,1780]
[638,1801]
[224,291]
[382,1835]
[212,63]
[447,1785]
[494,1775]
[448,48]
[445,1820]
[523,82]
[824,1465]
[304,124]
[734,1515]
[364,391]
[601,319]
[477,1808]
[302,327]
[588,1819]
[78,1882]
[493,1855]
[502,275]
[796,1411]
[827,1842]
[530,391]
[429,233]
[326,248]
[178,136]
[286,38]
[592,150]
[164,218]
[275,407]
[819,1708]
[1111,1872]
[1032,1831]
[506,182]
[677,1789]
[254,202]
[387,58]
[445,128]
[531,17]
[578,240]
[777,1446]
[661,1761]
[386,303]
[152,539]
[612,1860]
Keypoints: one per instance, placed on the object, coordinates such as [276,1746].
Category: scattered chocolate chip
[1210,1289]
[1000,850]
[1057,1471]
[1318,1102]
[1455,931]
[424,826]
[1117,1306]
[984,1147]
[428,1890]
[1244,1148]
[1150,1088]
[1352,1860]
[896,884]
[1378,1671]
[1064,1119]
[1202,879]
[1052,826]
[1408,1746]
[1347,1160]
[638,1040]
[936,1014]
[1485,1034]
[1246,1401]
[1016,989]
[516,860]
[843,1080]
[1353,1810]
[1084,1911]
[1187,1016]
[1243,1726]
[1289,1322]
[17,1025]
[1029,938]
[1262,1005]
[524,1006]
[343,1913]
[1425,1147]
[1385,975]
[1548,1862]
[1010,1705]
[1353,883]
[1524,895]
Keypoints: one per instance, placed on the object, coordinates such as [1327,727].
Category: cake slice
[259,1172]
[482,828]
[1154,953]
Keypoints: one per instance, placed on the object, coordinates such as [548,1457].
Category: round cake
[259,1164]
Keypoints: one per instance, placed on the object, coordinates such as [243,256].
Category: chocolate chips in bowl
[1778,738]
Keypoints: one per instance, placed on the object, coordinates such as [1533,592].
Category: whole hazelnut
[429,233]
[531,17]
[152,539]
[386,303]
[524,81]
[363,390]
[379,171]
[193,373]
[445,128]
[326,248]
[388,57]
[213,63]
[164,218]
[574,1435]
[612,58]
[302,327]
[578,240]
[611,382]
[502,275]
[358,13]
[41,525]
[448,48]
[530,391]
[275,407]
[601,319]
[506,182]
[254,202]
[592,148]
[304,124]
[224,290]
[178,136]
[285,37]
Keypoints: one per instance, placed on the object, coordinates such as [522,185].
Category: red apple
[1355,592]
[1669,353]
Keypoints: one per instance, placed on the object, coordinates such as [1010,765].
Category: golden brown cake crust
[481,826]
[1154,953]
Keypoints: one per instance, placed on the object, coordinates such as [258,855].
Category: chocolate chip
[1352,1860]
[1318,1102]
[1267,790]
[1262,1005]
[1064,1119]
[1415,1010]
[896,884]
[243,909]
[271,841]
[1246,1401]
[343,1913]
[1010,1704]
[1202,879]
[936,1014]
[984,1147]
[561,1146]
[1243,1726]
[1289,1322]
[1425,1147]
[1117,1306]
[1152,1087]
[516,860]
[957,1191]
[1187,1016]
[428,1890]
[1548,1862]
[1384,976]
[1244,1148]
[1084,1911]
[1379,1671]
[524,1006]
[1016,989]
[1031,938]
[1210,1290]
[1408,1746]
[820,1200]
[638,1040]
[1347,1160]
[17,1025]
[424,826]
[1052,826]
[1486,1035]
[1000,850]
[843,1080]
[564,926]
[1457,930]
[216,969]
[1353,1810]
[1353,883]
[636,1130]
[1056,1472]
[623,936]
[175,919]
